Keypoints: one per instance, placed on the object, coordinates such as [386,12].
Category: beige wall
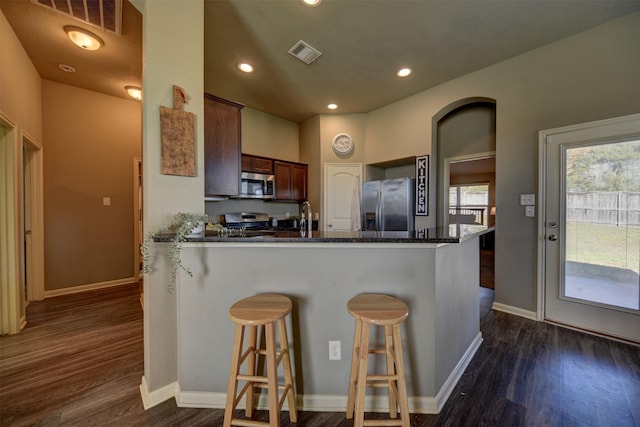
[329,126]
[590,76]
[310,154]
[269,136]
[20,87]
[91,142]
[465,131]
[170,57]
[352,124]
[21,107]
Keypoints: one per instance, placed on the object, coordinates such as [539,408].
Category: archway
[469,143]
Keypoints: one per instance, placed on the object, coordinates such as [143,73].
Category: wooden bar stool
[378,310]
[268,311]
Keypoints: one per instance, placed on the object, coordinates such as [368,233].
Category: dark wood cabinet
[299,182]
[222,146]
[257,164]
[291,180]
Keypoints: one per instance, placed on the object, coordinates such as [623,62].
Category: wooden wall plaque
[177,135]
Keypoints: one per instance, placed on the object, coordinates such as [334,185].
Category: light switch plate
[527,199]
[530,211]
[106,201]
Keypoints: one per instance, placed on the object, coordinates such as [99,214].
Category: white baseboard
[447,388]
[515,311]
[338,403]
[90,287]
[23,323]
[310,403]
[151,399]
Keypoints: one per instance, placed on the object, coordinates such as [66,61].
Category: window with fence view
[469,204]
[602,208]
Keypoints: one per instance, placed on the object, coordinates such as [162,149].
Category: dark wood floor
[487,268]
[79,363]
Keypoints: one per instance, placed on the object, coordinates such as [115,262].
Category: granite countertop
[453,234]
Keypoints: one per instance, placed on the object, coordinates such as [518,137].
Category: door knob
[329,225]
[553,237]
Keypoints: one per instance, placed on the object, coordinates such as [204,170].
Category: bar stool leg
[402,382]
[288,377]
[272,377]
[233,375]
[353,376]
[251,368]
[391,370]
[361,382]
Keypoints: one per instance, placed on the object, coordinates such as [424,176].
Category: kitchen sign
[422,185]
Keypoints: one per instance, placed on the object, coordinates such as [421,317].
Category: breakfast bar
[436,272]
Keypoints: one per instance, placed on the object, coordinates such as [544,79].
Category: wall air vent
[305,52]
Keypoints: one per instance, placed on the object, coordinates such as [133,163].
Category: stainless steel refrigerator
[388,205]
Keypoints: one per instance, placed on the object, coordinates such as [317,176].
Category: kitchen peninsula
[436,273]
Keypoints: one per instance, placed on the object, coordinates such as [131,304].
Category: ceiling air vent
[305,52]
[106,14]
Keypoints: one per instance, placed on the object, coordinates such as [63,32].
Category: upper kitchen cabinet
[257,164]
[291,180]
[222,146]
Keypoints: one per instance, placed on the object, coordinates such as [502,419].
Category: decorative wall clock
[342,144]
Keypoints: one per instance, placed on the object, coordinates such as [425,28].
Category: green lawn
[606,245]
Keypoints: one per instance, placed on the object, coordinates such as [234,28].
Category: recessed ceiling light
[247,68]
[404,72]
[332,106]
[83,38]
[134,91]
[67,68]
[312,3]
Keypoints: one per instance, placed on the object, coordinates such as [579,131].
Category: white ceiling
[363,43]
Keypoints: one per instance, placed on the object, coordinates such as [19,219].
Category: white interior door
[342,195]
[592,226]
[33,212]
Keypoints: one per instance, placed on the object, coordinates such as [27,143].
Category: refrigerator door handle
[380,211]
[376,223]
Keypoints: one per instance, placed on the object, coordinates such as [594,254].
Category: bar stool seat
[389,312]
[268,311]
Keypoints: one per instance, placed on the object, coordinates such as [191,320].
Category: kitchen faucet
[309,220]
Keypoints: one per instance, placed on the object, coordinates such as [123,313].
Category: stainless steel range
[248,220]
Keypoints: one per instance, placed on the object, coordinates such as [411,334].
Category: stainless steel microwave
[257,185]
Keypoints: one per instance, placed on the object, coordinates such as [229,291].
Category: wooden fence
[616,208]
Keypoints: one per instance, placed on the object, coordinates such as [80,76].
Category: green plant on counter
[177,229]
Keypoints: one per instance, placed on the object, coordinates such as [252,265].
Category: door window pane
[602,253]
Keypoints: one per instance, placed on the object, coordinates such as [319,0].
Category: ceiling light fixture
[134,91]
[404,72]
[332,106]
[247,68]
[67,68]
[312,3]
[83,38]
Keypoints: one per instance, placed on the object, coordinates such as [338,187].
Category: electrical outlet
[106,201]
[334,350]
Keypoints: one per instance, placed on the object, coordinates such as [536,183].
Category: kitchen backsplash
[273,209]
